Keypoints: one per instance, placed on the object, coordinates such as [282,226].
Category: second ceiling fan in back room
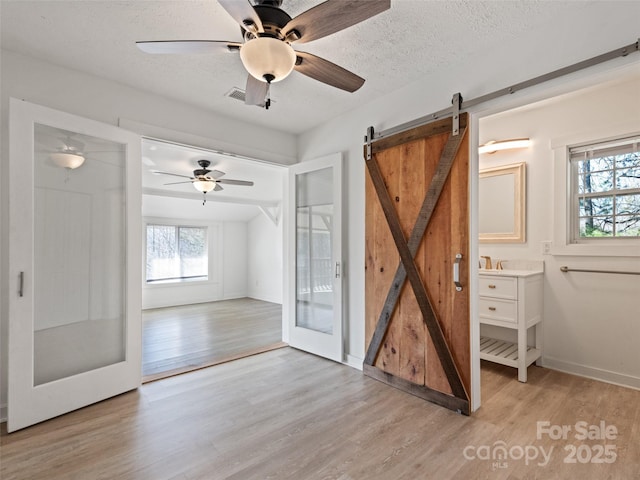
[205,180]
[269,32]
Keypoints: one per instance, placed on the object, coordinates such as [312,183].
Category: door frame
[308,342]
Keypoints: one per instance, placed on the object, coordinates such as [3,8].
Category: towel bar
[567,269]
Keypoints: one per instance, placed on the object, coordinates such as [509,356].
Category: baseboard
[234,296]
[3,412]
[354,362]
[602,375]
[265,297]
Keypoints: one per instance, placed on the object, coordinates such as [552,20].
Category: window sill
[176,283]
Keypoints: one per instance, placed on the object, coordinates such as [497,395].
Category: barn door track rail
[464,105]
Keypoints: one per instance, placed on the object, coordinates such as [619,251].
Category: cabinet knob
[493,309]
[492,286]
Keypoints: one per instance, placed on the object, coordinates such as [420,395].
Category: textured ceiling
[390,50]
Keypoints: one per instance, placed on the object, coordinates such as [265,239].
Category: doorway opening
[571,334]
[212,258]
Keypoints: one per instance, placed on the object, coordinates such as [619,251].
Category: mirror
[502,204]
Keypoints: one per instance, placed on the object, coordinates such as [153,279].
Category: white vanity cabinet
[511,299]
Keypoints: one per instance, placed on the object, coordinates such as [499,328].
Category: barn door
[416,280]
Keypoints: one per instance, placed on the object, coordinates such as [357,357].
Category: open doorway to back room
[557,292]
[212,259]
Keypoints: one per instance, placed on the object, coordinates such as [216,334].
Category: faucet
[487,263]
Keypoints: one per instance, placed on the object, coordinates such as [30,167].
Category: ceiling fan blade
[215,174]
[326,72]
[256,91]
[158,172]
[228,181]
[176,183]
[332,16]
[217,188]
[243,13]
[186,46]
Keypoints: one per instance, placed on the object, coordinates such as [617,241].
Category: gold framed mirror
[502,202]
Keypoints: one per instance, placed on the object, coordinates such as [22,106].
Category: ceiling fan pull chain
[267,102]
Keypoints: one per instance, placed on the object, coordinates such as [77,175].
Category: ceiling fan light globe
[67,160]
[264,56]
[204,186]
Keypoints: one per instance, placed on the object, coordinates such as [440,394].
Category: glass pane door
[317,316]
[314,260]
[74,263]
[79,253]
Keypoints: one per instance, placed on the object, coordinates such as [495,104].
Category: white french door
[315,257]
[74,263]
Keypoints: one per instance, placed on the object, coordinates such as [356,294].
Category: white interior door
[75,255]
[315,233]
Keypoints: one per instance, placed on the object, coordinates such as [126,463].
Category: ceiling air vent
[239,94]
[236,93]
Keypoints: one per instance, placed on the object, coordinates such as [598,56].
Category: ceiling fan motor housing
[201,172]
[273,3]
[273,21]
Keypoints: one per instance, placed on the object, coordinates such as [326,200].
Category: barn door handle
[456,272]
[21,285]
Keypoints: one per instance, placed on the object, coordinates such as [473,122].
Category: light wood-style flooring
[286,414]
[183,338]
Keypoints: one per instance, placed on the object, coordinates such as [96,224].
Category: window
[605,190]
[176,253]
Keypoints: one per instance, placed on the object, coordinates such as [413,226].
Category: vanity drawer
[500,287]
[496,309]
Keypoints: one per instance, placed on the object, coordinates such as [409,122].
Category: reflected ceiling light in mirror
[493,146]
[68,160]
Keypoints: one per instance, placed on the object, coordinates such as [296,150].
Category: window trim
[562,198]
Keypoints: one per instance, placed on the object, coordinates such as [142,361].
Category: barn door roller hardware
[456,101]
[464,105]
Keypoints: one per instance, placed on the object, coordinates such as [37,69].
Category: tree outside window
[607,190]
[176,253]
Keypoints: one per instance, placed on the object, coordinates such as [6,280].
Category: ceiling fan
[205,180]
[268,33]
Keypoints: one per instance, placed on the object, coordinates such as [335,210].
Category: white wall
[567,41]
[234,260]
[590,320]
[107,101]
[265,275]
